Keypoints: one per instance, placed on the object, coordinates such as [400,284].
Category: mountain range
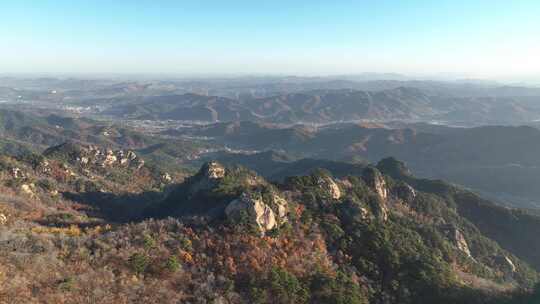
[500,160]
[349,189]
[330,106]
[76,219]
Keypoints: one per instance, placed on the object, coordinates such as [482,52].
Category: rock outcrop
[166,178]
[110,158]
[17,173]
[44,167]
[281,206]
[457,239]
[330,186]
[94,156]
[213,170]
[266,215]
[256,211]
[207,177]
[3,219]
[504,263]
[375,180]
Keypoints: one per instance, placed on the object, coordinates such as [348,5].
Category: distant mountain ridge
[501,160]
[339,105]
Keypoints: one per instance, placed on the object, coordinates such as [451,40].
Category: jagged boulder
[166,178]
[44,166]
[255,209]
[375,180]
[3,219]
[330,186]
[213,170]
[28,189]
[17,173]
[281,206]
[109,159]
[207,177]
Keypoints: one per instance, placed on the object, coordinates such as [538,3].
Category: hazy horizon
[468,39]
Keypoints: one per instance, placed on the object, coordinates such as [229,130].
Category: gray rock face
[505,264]
[256,210]
[375,180]
[330,186]
[457,239]
[281,206]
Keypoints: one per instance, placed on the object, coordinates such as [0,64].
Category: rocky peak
[255,209]
[213,170]
[208,176]
[375,180]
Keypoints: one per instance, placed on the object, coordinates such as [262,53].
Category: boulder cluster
[264,213]
[87,156]
[108,158]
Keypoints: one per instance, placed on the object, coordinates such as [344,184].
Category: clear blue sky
[469,37]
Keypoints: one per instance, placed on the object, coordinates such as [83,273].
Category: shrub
[139,262]
[172,264]
[286,288]
[149,242]
[66,284]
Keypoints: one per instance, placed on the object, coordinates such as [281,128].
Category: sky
[467,38]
